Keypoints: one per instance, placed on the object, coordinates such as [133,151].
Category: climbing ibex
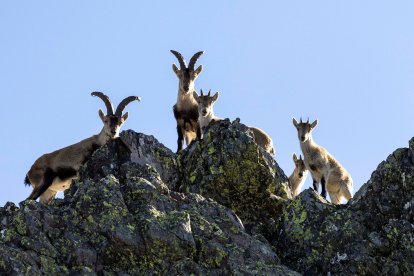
[185,110]
[54,172]
[206,115]
[324,168]
[298,176]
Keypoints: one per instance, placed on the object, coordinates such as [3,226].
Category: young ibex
[298,176]
[324,168]
[185,110]
[54,172]
[206,115]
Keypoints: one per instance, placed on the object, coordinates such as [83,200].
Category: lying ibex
[324,168]
[206,115]
[54,172]
[185,110]
[298,176]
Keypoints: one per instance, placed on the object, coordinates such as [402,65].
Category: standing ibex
[324,168]
[54,172]
[206,115]
[185,110]
[298,176]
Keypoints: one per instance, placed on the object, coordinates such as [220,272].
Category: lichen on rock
[221,206]
[121,218]
[229,167]
[372,235]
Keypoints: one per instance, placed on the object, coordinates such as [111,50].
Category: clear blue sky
[350,64]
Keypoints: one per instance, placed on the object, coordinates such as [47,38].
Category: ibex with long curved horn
[185,110]
[54,172]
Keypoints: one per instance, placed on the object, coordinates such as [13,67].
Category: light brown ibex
[298,176]
[185,110]
[54,172]
[324,168]
[206,115]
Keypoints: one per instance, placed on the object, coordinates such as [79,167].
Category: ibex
[324,168]
[185,110]
[206,115]
[54,172]
[298,176]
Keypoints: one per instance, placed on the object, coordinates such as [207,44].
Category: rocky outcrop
[229,167]
[222,206]
[372,235]
[121,218]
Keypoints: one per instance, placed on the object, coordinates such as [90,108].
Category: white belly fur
[59,185]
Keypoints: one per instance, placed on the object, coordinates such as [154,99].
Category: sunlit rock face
[121,217]
[229,167]
[372,235]
[222,206]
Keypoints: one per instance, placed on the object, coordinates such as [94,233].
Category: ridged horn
[180,58]
[124,103]
[194,59]
[106,100]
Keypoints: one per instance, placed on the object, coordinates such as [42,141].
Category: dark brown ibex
[54,172]
[185,110]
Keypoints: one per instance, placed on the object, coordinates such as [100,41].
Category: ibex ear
[125,116]
[175,68]
[314,124]
[198,70]
[295,123]
[101,115]
[295,158]
[215,97]
[195,95]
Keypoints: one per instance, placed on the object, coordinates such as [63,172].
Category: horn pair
[181,60]
[201,92]
[108,103]
[306,121]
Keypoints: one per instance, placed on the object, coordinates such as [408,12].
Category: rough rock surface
[229,167]
[222,206]
[121,218]
[372,235]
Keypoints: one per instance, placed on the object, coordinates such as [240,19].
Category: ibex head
[187,75]
[205,103]
[299,165]
[113,122]
[304,129]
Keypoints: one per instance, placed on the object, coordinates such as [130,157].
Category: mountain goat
[185,110]
[298,176]
[324,168]
[206,115]
[54,172]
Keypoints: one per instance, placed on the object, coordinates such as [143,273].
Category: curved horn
[194,59]
[106,100]
[124,103]
[180,59]
[209,91]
